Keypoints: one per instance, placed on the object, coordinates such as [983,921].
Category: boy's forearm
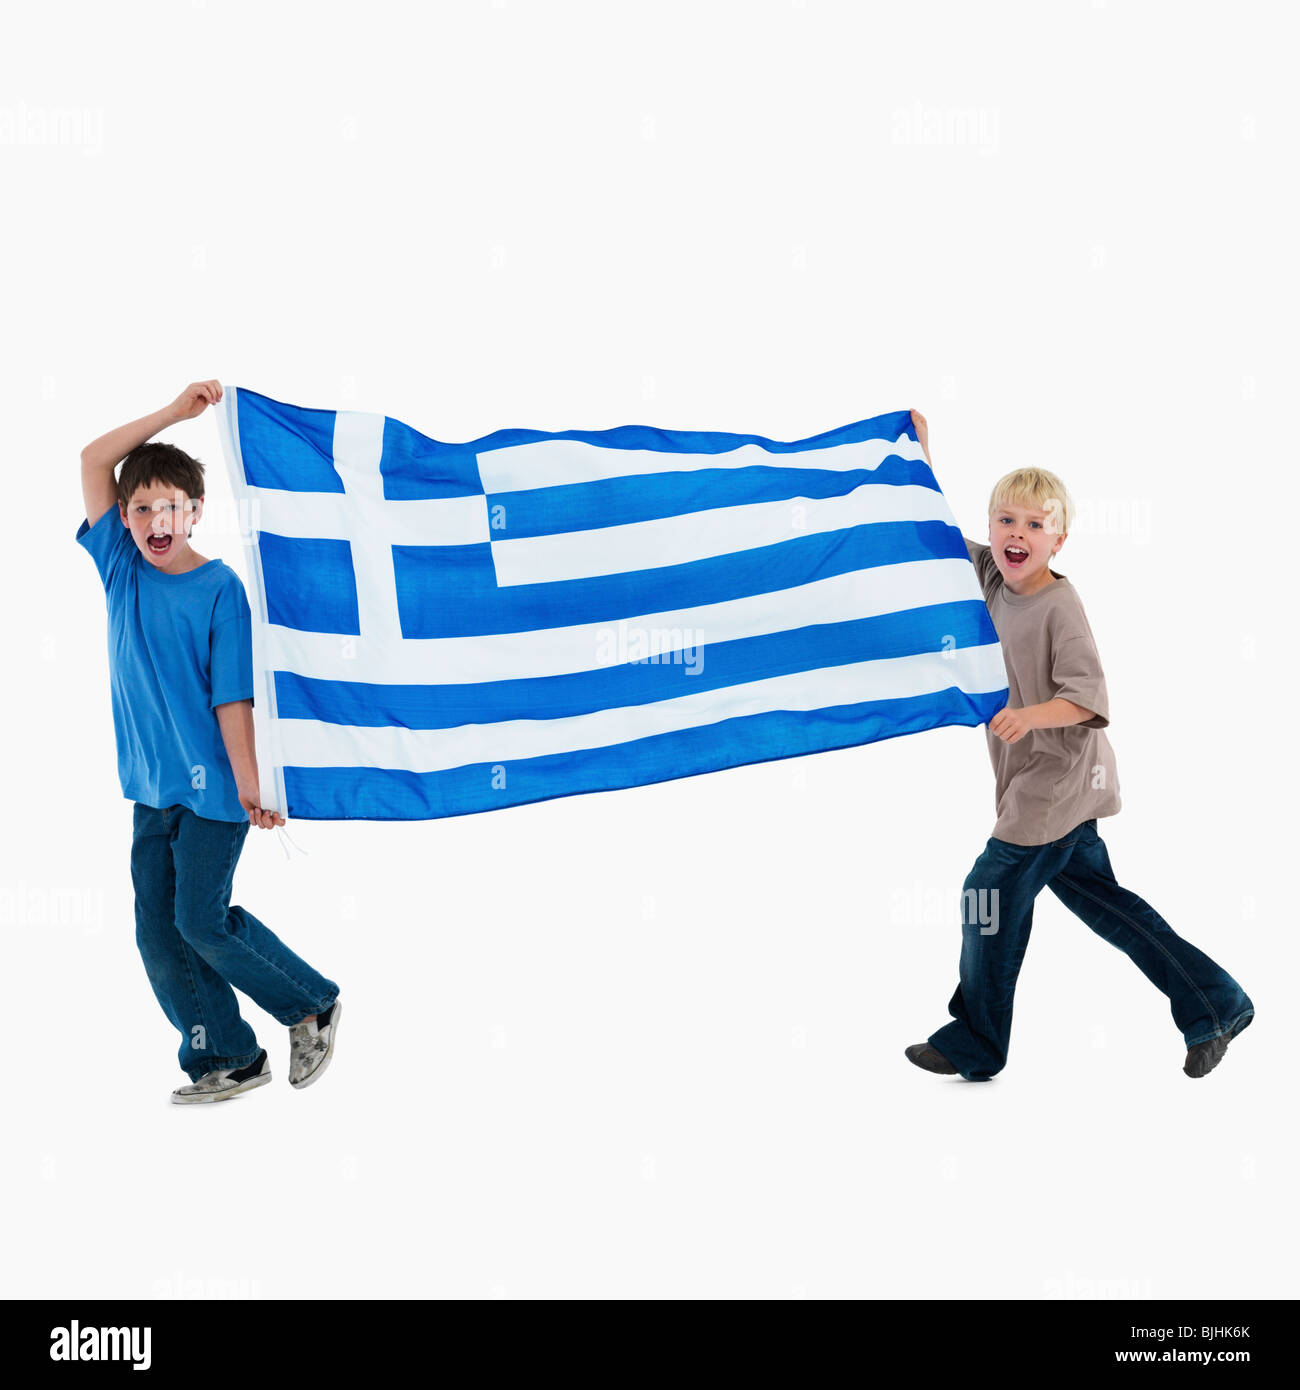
[1058,714]
[236,721]
[110,449]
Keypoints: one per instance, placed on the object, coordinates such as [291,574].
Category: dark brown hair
[159,463]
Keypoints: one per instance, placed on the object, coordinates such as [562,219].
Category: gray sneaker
[311,1046]
[221,1085]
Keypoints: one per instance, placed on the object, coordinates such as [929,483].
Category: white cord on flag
[284,835]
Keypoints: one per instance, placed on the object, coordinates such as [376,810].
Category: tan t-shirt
[1050,780]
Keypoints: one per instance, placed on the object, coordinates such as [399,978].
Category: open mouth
[1016,555]
[159,545]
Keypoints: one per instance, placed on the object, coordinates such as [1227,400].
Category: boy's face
[160,517]
[1023,542]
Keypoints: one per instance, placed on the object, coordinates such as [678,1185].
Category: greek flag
[448,628]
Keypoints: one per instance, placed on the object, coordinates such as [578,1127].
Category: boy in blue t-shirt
[181,675]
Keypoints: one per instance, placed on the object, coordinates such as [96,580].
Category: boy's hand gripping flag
[448,628]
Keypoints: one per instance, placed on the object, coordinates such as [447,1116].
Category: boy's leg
[1205,1000]
[242,950]
[997,914]
[200,1004]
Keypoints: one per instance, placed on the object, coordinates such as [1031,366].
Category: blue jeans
[997,911]
[195,945]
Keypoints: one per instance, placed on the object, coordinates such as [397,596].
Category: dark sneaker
[221,1085]
[1203,1057]
[311,1045]
[925,1057]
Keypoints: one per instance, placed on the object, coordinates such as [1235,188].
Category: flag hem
[270,764]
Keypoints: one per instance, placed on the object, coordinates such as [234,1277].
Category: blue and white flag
[448,628]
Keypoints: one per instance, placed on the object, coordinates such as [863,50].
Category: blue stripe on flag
[937,627]
[547,511]
[890,427]
[345,793]
[451,590]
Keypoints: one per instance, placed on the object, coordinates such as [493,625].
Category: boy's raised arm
[100,458]
[922,434]
[923,438]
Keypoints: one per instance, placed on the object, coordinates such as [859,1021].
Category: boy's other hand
[1011,725]
[251,800]
[195,399]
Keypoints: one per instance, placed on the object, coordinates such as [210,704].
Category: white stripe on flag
[557,650]
[326,515]
[358,447]
[309,743]
[676,540]
[549,462]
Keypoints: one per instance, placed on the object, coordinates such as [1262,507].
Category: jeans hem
[303,1013]
[1234,1027]
[226,1064]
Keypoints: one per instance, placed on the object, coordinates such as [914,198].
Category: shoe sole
[329,1052]
[948,1070]
[206,1099]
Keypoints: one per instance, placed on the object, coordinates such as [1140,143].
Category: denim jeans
[195,945]
[997,911]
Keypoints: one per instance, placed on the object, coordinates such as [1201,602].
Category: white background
[650,1042]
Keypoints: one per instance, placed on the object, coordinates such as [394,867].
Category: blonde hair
[1038,489]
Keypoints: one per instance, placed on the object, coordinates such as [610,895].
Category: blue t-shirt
[178,646]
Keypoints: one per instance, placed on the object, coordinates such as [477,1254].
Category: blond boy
[1055,777]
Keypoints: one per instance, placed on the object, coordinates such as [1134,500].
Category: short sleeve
[108,541]
[1077,677]
[232,646]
